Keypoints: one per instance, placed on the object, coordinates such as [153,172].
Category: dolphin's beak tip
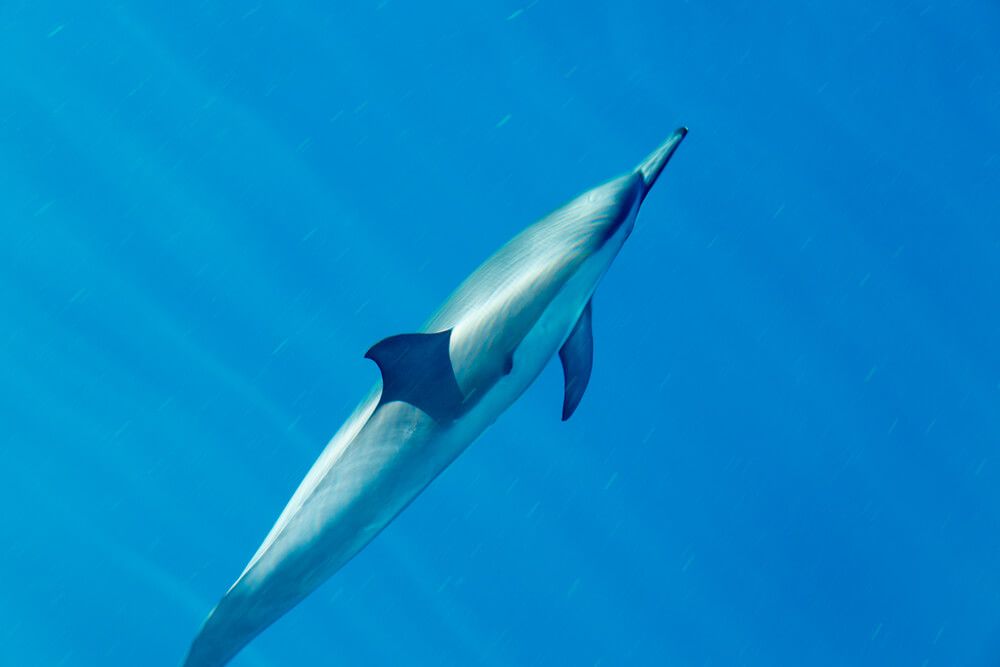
[651,167]
[677,135]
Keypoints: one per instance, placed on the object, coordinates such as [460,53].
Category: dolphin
[441,387]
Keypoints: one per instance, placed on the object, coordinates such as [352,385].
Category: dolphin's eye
[508,365]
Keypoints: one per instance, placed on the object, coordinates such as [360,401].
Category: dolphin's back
[560,239]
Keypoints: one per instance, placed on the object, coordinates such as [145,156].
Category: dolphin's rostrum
[441,388]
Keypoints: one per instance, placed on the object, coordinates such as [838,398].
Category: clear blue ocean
[788,451]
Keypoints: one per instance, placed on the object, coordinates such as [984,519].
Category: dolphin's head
[601,217]
[605,214]
[500,302]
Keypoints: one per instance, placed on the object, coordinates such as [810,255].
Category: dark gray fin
[577,356]
[416,369]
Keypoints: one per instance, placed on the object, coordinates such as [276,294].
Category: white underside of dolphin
[440,389]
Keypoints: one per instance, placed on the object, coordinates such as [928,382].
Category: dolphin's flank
[441,388]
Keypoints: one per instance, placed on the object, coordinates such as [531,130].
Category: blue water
[787,454]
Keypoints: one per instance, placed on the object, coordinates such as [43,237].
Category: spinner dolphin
[441,388]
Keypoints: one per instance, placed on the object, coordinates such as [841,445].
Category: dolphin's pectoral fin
[577,356]
[416,369]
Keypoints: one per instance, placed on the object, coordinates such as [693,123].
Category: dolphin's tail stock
[210,647]
[232,624]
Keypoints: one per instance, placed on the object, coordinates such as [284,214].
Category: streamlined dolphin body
[440,389]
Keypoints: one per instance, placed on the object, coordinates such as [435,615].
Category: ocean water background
[787,454]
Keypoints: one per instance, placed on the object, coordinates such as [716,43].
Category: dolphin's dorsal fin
[416,369]
[577,356]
